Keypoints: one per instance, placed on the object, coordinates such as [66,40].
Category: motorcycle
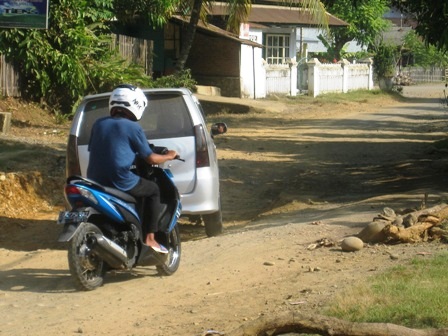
[104,227]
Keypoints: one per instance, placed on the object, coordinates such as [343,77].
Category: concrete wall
[253,74]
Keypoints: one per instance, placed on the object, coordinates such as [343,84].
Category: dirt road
[290,176]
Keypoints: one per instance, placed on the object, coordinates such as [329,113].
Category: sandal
[162,249]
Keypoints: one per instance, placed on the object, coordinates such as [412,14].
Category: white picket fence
[321,78]
[281,79]
[339,77]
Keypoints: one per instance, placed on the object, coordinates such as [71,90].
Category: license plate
[67,217]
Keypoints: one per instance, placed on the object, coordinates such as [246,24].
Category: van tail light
[202,157]
[72,161]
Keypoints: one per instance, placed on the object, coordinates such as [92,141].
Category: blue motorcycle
[104,228]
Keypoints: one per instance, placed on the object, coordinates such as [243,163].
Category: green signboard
[24,14]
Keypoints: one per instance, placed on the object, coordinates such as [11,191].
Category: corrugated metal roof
[278,15]
[214,30]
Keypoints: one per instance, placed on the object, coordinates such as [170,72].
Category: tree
[295,322]
[425,55]
[191,31]
[365,19]
[156,12]
[73,57]
[431,17]
[129,10]
[49,61]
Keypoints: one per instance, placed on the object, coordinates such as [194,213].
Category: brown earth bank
[292,174]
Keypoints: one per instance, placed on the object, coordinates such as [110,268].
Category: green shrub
[180,79]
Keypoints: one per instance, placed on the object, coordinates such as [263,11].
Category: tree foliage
[364,18]
[424,55]
[156,12]
[73,57]
[432,19]
[385,60]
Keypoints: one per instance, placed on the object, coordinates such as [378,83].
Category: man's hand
[155,159]
[171,154]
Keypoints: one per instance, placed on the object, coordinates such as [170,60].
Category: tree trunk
[413,234]
[189,37]
[420,231]
[294,322]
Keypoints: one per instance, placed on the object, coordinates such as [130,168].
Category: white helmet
[128,97]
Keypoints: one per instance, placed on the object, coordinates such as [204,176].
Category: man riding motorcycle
[115,142]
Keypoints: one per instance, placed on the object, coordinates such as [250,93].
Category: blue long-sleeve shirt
[114,144]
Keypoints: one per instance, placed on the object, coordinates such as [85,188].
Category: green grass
[414,295]
[360,96]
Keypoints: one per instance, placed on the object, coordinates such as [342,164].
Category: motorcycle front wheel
[86,269]
[174,251]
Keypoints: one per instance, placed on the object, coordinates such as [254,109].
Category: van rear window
[166,116]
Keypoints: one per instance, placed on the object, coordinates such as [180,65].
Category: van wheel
[213,223]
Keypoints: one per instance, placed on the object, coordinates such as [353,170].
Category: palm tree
[238,13]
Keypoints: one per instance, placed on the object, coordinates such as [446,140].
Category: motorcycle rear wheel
[86,269]
[173,259]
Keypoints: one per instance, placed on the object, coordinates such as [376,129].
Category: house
[275,26]
[261,60]
[217,57]
[222,59]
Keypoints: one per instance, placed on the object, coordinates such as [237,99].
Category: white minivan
[174,119]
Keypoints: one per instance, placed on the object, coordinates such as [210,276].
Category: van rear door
[166,122]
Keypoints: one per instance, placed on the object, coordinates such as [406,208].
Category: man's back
[114,143]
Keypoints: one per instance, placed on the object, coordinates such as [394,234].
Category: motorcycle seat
[121,195]
[112,191]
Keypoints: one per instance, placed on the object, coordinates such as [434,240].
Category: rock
[387,214]
[398,221]
[373,232]
[351,244]
[409,220]
[393,256]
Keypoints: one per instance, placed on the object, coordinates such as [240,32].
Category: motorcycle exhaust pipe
[113,254]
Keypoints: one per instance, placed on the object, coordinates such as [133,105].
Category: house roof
[280,15]
[216,31]
[395,35]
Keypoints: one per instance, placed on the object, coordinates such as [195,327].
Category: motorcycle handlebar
[164,150]
[159,149]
